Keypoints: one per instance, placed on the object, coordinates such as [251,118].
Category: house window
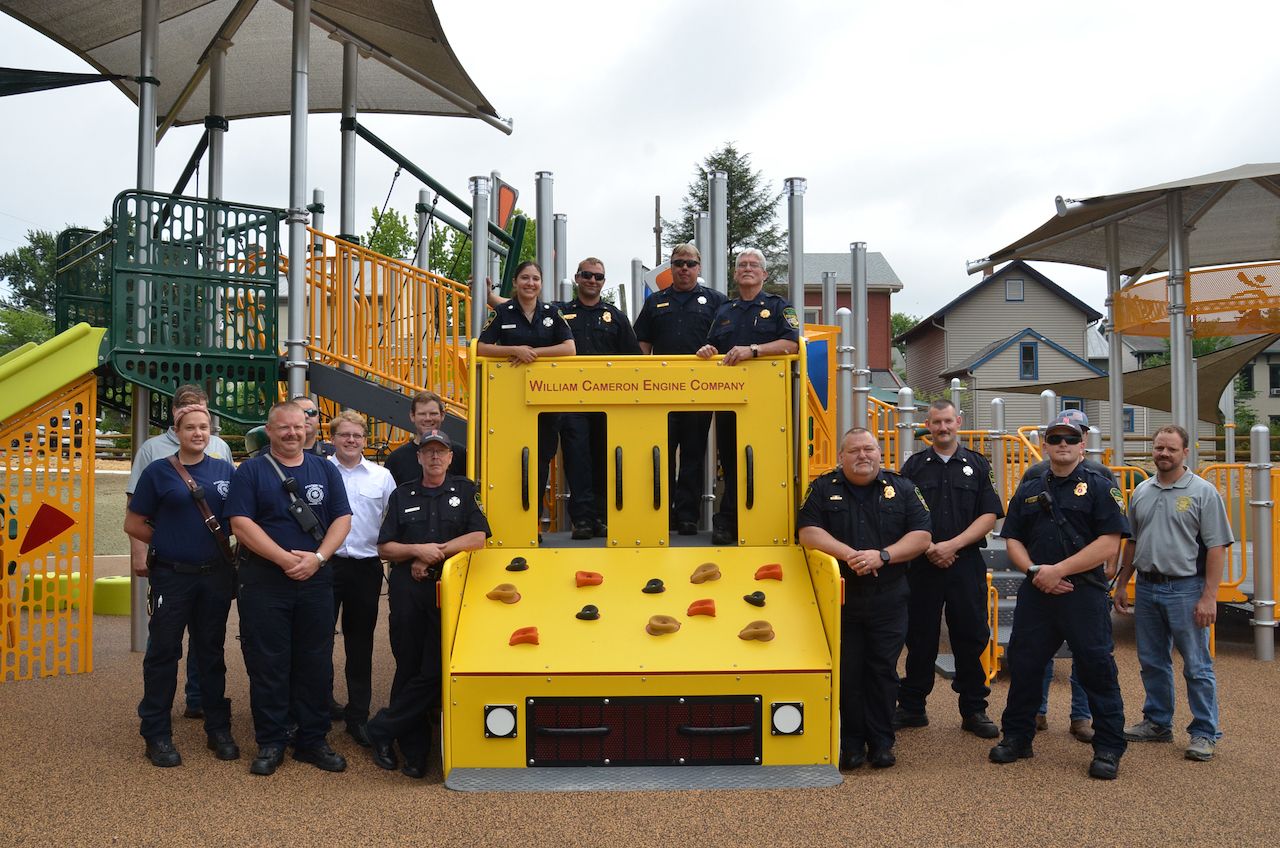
[1013,290]
[1028,368]
[1072,403]
[1128,419]
[1274,422]
[1274,382]
[1246,378]
[813,314]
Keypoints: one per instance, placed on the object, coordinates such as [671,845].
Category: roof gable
[980,358]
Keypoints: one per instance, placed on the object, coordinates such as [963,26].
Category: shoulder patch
[479,504]
[793,320]
[488,319]
[1119,499]
[920,498]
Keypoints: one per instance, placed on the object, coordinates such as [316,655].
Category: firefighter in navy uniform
[428,521]
[873,522]
[963,505]
[599,329]
[676,321]
[1061,528]
[755,323]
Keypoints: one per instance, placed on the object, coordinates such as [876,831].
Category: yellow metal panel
[617,641]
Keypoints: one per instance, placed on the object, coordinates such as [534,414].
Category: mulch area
[74,774]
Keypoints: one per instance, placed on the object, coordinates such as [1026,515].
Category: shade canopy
[1233,212]
[1149,387]
[406,64]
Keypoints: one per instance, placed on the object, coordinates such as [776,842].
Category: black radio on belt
[301,512]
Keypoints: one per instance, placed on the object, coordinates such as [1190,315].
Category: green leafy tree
[28,274]
[19,326]
[449,251]
[899,323]
[752,209]
[392,234]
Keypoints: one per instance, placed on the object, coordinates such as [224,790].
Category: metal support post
[1048,411]
[495,261]
[544,182]
[829,298]
[858,302]
[702,241]
[906,424]
[1193,408]
[845,367]
[999,448]
[794,188]
[956,388]
[561,256]
[1115,353]
[479,188]
[1179,353]
[637,287]
[422,257]
[347,179]
[298,330]
[1229,424]
[716,259]
[1093,445]
[1264,598]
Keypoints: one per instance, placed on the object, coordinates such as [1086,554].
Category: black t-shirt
[257,493]
[180,532]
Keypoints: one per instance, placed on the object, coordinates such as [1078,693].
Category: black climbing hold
[518,564]
[756,599]
[654,587]
[588,613]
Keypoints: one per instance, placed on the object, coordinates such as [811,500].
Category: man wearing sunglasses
[676,320]
[312,443]
[599,329]
[1062,526]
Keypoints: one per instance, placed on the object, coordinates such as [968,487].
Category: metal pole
[1193,408]
[298,329]
[479,187]
[495,261]
[347,198]
[657,230]
[217,126]
[1093,445]
[1048,409]
[956,388]
[1264,599]
[858,302]
[845,367]
[637,287]
[702,241]
[544,182]
[1178,352]
[829,297]
[906,424]
[422,257]
[140,424]
[317,213]
[999,462]
[794,188]
[1229,425]
[561,261]
[1115,352]
[718,238]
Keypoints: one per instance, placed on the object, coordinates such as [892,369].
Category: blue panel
[818,376]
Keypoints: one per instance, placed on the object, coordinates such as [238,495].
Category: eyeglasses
[750,265]
[685,263]
[349,436]
[311,413]
[1057,439]
[591,275]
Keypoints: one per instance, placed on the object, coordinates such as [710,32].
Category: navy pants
[357,586]
[873,627]
[415,643]
[687,437]
[583,443]
[548,441]
[960,591]
[286,633]
[727,451]
[1041,623]
[198,603]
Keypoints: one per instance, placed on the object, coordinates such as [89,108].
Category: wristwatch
[320,558]
[755,351]
[884,557]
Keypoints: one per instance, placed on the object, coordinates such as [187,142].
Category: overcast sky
[934,131]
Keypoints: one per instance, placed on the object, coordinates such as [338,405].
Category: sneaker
[1147,731]
[1200,749]
[1082,729]
[1042,722]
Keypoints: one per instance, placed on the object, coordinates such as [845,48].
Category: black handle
[573,731]
[524,478]
[617,478]
[751,477]
[731,730]
[657,477]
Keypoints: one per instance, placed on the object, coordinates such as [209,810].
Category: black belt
[433,571]
[209,566]
[1157,577]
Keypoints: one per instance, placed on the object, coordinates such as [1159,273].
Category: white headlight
[788,718]
[500,721]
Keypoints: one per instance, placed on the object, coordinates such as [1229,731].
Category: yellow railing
[387,320]
[882,419]
[1233,483]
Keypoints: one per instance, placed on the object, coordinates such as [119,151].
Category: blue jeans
[1164,618]
[1079,700]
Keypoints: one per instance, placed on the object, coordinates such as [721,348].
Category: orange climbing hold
[588,578]
[772,571]
[524,636]
[705,606]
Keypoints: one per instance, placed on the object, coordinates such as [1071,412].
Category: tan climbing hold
[703,573]
[761,631]
[660,625]
[505,592]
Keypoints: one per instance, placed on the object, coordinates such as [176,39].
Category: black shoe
[582,530]
[358,730]
[162,754]
[384,756]
[193,712]
[849,762]
[600,529]
[223,745]
[268,760]
[322,757]
[902,718]
[337,711]
[723,536]
[1105,766]
[1010,750]
[980,725]
[688,528]
[415,770]
[882,758]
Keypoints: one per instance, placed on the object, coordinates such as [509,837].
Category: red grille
[697,730]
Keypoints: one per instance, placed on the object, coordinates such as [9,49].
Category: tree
[899,323]
[392,235]
[28,273]
[752,208]
[449,251]
[19,326]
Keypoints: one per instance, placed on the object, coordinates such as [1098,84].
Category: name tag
[662,305]
[569,316]
[412,509]
[508,326]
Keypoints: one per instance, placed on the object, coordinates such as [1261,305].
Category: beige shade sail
[1149,387]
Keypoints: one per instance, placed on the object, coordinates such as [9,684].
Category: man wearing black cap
[428,521]
[1062,526]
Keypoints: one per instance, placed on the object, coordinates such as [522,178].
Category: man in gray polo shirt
[1181,535]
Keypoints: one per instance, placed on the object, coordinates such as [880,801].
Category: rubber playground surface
[74,774]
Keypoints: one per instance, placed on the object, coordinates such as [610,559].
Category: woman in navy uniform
[523,330]
[191,586]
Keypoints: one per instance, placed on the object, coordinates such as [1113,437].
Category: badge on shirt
[508,326]
[454,501]
[607,317]
[793,320]
[968,471]
[839,497]
[547,322]
[1182,505]
[479,504]
[1082,488]
[702,299]
[889,493]
[764,313]
[314,493]
[663,305]
[410,509]
[224,486]
[568,316]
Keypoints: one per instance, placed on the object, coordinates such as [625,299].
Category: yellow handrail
[1231,481]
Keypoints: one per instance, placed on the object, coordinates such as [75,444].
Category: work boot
[1105,766]
[980,725]
[1082,729]
[582,530]
[905,718]
[1010,750]
[162,754]
[223,745]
